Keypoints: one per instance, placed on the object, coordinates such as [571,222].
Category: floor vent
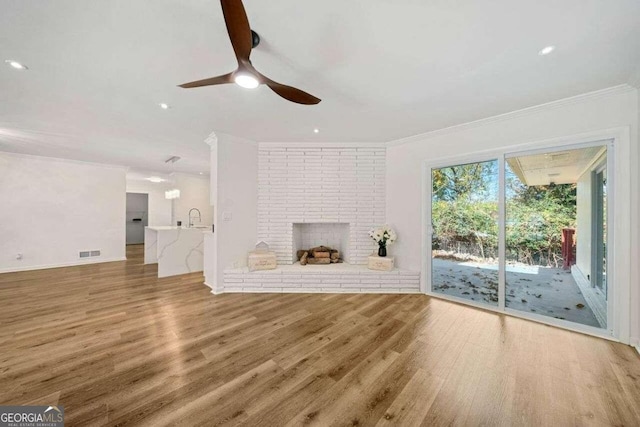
[89,254]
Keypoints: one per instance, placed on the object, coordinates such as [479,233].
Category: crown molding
[65,160]
[634,78]
[211,140]
[624,88]
[311,145]
[215,137]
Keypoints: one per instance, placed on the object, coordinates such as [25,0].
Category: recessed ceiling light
[316,130]
[246,81]
[164,106]
[155,179]
[201,173]
[546,50]
[16,64]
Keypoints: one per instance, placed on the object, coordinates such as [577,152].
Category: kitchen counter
[176,250]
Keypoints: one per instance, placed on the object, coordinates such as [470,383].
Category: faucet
[199,216]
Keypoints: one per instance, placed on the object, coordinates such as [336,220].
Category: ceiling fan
[243,39]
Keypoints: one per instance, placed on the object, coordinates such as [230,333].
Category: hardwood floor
[115,345]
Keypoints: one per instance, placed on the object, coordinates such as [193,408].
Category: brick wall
[301,184]
[327,279]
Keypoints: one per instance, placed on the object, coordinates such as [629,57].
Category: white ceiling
[384,70]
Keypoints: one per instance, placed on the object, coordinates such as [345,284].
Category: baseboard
[635,343]
[371,291]
[65,264]
[213,289]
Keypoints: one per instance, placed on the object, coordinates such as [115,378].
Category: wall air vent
[88,254]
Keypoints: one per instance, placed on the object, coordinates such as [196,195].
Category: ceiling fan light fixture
[243,40]
[246,81]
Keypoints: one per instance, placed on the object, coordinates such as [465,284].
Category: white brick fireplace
[312,195]
[299,184]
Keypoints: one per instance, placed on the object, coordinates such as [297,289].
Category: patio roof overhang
[560,167]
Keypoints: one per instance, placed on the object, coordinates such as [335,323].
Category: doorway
[137,217]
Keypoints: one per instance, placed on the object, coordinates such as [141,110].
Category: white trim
[618,144]
[64,160]
[513,114]
[637,349]
[321,145]
[427,232]
[213,289]
[64,264]
[319,291]
[502,233]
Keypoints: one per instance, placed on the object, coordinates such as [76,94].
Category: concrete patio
[548,291]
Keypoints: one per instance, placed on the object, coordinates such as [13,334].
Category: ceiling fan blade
[238,27]
[290,93]
[220,80]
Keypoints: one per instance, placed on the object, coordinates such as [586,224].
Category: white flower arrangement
[383,236]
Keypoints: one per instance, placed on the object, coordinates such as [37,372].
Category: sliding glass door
[524,233]
[464,216]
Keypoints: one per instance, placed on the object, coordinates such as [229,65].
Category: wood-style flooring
[115,345]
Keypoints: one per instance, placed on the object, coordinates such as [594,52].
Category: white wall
[234,189]
[51,209]
[159,206]
[613,108]
[194,193]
